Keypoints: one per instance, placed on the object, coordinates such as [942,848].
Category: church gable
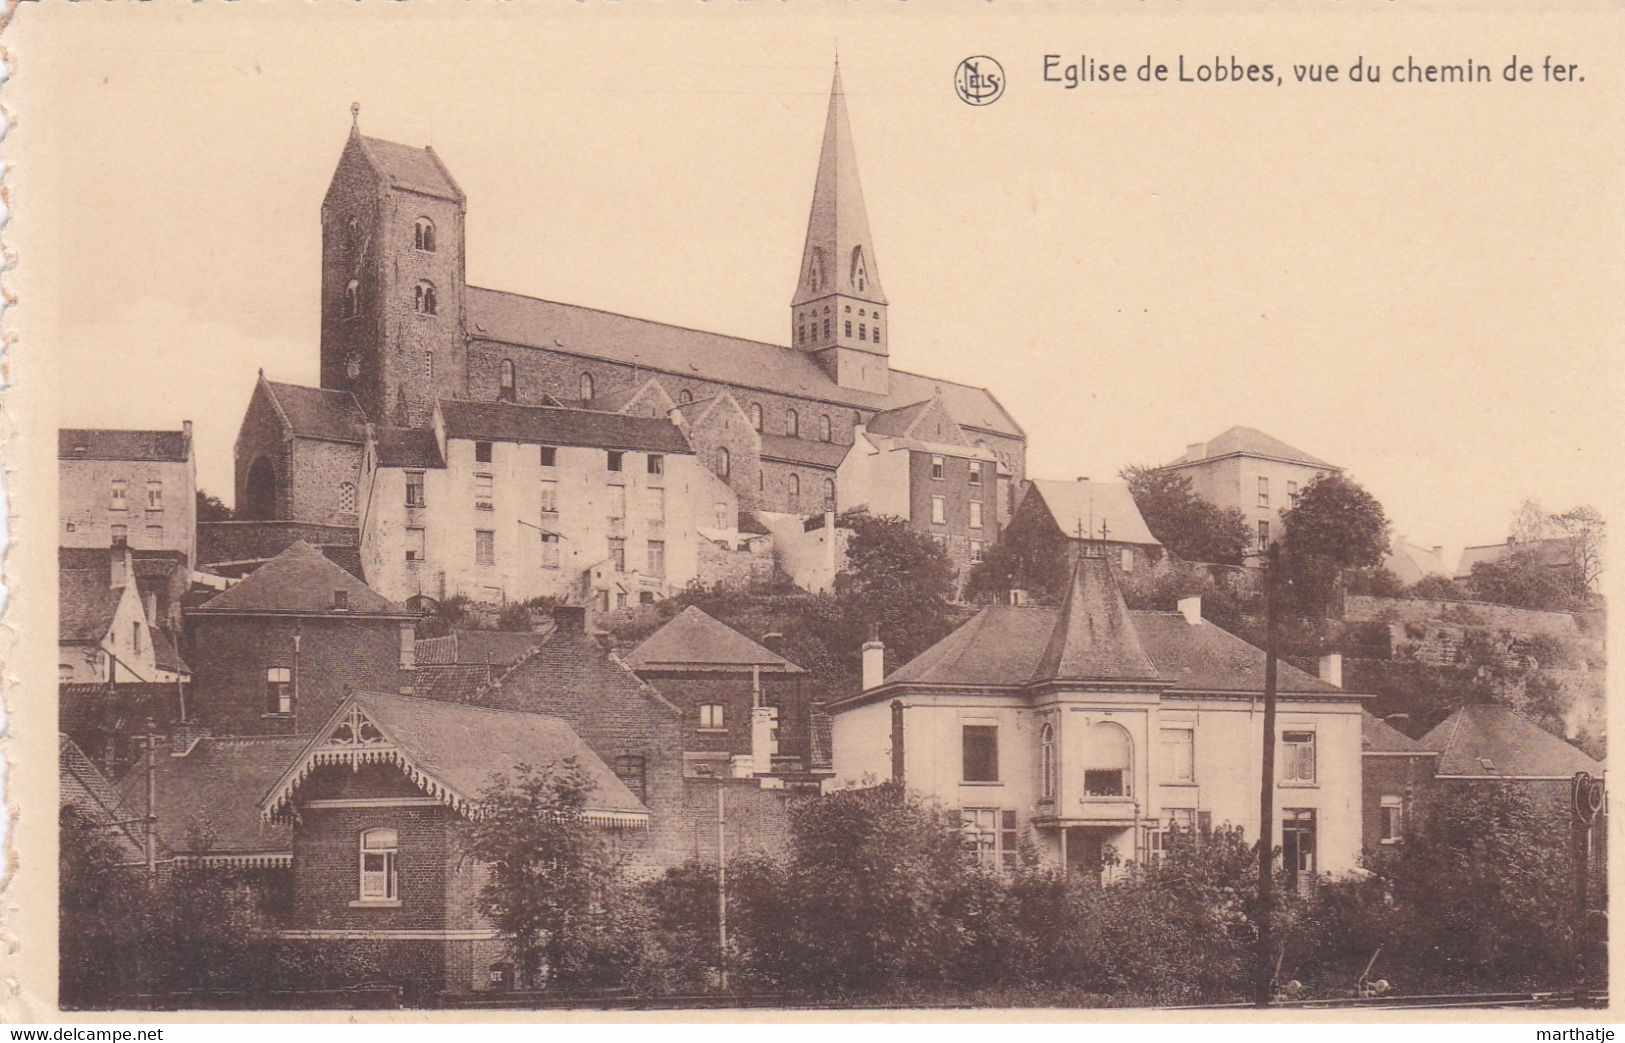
[650,399]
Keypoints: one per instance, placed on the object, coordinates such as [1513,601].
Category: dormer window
[423,299]
[423,235]
[860,274]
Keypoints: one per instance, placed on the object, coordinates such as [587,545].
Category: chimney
[1191,609]
[1195,451]
[1083,478]
[1331,669]
[874,659]
[763,719]
[570,618]
[186,432]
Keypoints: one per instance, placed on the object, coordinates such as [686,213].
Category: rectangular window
[1393,818]
[629,769]
[1298,841]
[937,468]
[155,496]
[550,456]
[121,490]
[1263,491]
[617,501]
[1292,493]
[976,514]
[379,848]
[657,557]
[939,510]
[550,498]
[976,472]
[155,535]
[1298,760]
[976,552]
[614,459]
[550,551]
[617,552]
[482,452]
[278,690]
[981,752]
[657,464]
[484,492]
[1105,782]
[1179,754]
[1263,536]
[847,325]
[414,544]
[711,717]
[121,535]
[1128,559]
[991,835]
[414,488]
[485,547]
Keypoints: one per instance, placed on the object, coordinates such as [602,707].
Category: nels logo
[979,80]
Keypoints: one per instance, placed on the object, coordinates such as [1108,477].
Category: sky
[1419,284]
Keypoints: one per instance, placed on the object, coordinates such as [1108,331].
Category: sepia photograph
[810,508]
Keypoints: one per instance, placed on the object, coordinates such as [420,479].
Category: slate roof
[1093,504]
[1013,646]
[86,605]
[696,641]
[1378,736]
[408,447]
[452,682]
[896,422]
[415,169]
[547,425]
[478,647]
[569,668]
[512,318]
[82,786]
[460,747]
[1249,441]
[301,579]
[1556,552]
[1486,739]
[1412,563]
[80,443]
[804,451]
[837,223]
[218,783]
[320,412]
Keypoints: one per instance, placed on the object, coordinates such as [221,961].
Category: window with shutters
[484,492]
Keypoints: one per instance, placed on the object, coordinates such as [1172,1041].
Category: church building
[402,331]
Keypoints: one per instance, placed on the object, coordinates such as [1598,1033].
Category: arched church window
[724,462]
[505,391]
[825,430]
[829,494]
[756,415]
[352,299]
[423,235]
[795,492]
[586,387]
[685,396]
[792,424]
[423,299]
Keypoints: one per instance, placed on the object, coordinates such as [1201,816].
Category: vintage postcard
[810,510]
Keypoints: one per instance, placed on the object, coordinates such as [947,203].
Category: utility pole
[722,890]
[150,820]
[1266,785]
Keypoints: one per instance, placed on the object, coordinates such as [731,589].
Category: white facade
[125,652]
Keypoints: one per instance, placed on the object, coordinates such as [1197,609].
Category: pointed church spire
[839,255]
[1095,638]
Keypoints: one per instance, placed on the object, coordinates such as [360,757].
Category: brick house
[370,804]
[1091,729]
[133,487]
[1485,743]
[278,651]
[1095,519]
[746,710]
[1396,780]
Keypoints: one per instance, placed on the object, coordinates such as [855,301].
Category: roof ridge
[481,707]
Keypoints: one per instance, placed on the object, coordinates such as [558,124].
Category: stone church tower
[838,313]
[393,293]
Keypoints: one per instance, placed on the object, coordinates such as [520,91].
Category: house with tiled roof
[747,711]
[1089,519]
[1487,744]
[103,631]
[370,806]
[275,652]
[403,333]
[1253,472]
[95,801]
[1090,730]
[131,487]
[1396,782]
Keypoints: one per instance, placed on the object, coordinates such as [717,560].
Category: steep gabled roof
[1094,637]
[301,580]
[86,605]
[414,169]
[1378,736]
[803,451]
[83,787]
[1093,507]
[408,447]
[212,791]
[695,640]
[1249,441]
[547,425]
[81,443]
[319,412]
[1484,739]
[453,751]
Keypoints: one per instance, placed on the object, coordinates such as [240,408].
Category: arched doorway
[259,492]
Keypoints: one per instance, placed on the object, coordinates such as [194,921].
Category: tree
[549,872]
[1030,554]
[1334,526]
[1587,532]
[1189,526]
[210,508]
[896,578]
[1437,588]
[1522,579]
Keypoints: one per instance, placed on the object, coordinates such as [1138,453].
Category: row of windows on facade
[485,550]
[424,299]
[119,535]
[959,546]
[423,234]
[723,466]
[804,329]
[939,511]
[1292,493]
[1109,753]
[121,495]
